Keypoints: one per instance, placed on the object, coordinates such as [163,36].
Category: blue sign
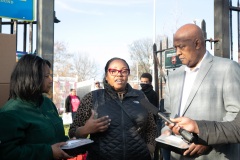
[17,9]
[19,55]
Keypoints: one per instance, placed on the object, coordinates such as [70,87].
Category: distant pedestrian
[97,85]
[72,103]
[147,88]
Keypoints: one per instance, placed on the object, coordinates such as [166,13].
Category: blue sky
[104,28]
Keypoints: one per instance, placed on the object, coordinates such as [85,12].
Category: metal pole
[221,28]
[11,27]
[15,30]
[154,46]
[230,30]
[0,25]
[155,69]
[45,31]
[25,37]
[238,17]
[30,38]
[154,21]
[161,74]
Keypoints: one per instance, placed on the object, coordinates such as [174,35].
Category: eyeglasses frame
[119,71]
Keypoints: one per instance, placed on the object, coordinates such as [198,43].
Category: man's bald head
[190,32]
[190,46]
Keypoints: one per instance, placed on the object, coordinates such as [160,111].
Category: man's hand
[185,123]
[197,150]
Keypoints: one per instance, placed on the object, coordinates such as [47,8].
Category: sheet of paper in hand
[67,118]
[174,143]
[76,146]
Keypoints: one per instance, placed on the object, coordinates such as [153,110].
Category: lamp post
[154,53]
[154,42]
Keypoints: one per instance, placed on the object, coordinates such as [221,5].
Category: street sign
[17,9]
[171,59]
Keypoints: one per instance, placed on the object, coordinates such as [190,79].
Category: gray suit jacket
[214,96]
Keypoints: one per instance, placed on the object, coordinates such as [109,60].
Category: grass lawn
[66,128]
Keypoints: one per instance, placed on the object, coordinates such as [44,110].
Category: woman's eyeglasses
[114,72]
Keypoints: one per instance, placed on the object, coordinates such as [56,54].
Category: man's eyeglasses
[114,72]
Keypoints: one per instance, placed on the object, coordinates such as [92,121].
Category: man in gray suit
[204,88]
[210,132]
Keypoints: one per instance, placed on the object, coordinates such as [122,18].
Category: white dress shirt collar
[187,69]
[189,79]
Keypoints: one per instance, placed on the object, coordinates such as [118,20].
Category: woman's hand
[58,153]
[93,125]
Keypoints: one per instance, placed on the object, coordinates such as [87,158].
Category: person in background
[147,88]
[72,103]
[116,120]
[30,126]
[205,87]
[97,85]
[227,132]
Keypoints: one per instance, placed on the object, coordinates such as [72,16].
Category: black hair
[27,78]
[147,75]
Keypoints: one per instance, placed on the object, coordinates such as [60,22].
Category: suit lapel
[177,89]
[202,73]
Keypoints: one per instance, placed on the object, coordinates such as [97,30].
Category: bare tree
[61,67]
[68,64]
[84,67]
[57,96]
[140,51]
